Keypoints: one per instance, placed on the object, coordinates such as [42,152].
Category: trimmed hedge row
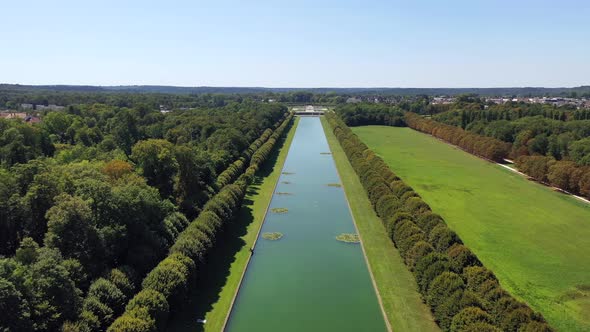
[462,294]
[167,285]
[482,146]
[104,301]
[238,167]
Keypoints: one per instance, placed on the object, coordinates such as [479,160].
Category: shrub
[416,206]
[121,281]
[154,302]
[469,316]
[418,250]
[481,327]
[444,285]
[107,293]
[428,221]
[170,278]
[476,276]
[516,318]
[407,243]
[399,188]
[101,312]
[137,320]
[442,238]
[429,267]
[409,194]
[535,326]
[387,206]
[462,257]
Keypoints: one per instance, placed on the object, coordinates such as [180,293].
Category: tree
[107,293]
[154,302]
[124,130]
[57,123]
[462,257]
[194,177]
[15,310]
[442,237]
[71,231]
[137,320]
[54,297]
[580,151]
[158,163]
[469,316]
[442,287]
[559,175]
[116,169]
[39,199]
[27,253]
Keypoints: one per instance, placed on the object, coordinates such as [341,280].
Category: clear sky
[320,43]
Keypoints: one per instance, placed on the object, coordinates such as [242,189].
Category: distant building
[14,115]
[49,108]
[20,115]
[353,100]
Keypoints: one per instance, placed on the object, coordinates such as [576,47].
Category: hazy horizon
[297,87]
[308,44]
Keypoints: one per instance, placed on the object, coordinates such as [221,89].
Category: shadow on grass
[212,276]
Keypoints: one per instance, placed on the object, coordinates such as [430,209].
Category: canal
[307,280]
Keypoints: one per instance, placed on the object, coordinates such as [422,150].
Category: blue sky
[333,43]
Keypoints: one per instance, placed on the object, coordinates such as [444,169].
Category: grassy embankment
[396,285]
[536,241]
[213,298]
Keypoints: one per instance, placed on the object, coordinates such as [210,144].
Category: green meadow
[536,241]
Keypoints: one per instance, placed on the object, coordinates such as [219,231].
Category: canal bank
[307,280]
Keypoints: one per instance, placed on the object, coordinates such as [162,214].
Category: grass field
[212,300]
[396,285]
[535,240]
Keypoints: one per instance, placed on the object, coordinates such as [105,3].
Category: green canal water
[307,280]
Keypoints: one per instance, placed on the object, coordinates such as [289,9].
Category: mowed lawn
[535,240]
[213,298]
[397,287]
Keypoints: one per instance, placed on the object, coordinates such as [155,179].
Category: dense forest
[462,293]
[94,197]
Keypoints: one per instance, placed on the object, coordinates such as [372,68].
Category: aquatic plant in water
[279,210]
[273,236]
[284,193]
[338,185]
[348,238]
